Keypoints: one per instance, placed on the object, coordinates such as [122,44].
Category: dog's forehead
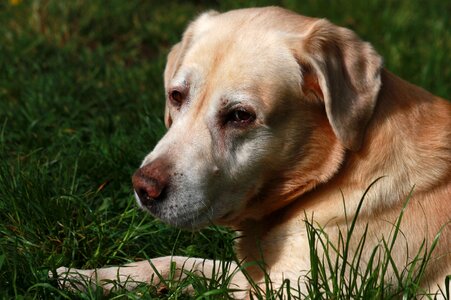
[235,55]
[215,50]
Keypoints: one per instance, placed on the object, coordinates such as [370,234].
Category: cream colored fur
[329,120]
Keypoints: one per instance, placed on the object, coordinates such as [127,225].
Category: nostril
[144,196]
[163,194]
[151,182]
[149,190]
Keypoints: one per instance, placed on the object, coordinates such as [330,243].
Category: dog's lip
[196,220]
[192,220]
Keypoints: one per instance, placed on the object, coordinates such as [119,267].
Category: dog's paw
[72,279]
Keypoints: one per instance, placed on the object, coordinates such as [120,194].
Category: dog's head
[261,106]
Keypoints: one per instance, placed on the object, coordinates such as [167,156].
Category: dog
[276,120]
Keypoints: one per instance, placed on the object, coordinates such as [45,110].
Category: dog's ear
[345,72]
[177,53]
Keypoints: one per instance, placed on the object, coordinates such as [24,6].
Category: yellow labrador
[274,118]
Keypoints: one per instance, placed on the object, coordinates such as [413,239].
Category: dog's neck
[397,147]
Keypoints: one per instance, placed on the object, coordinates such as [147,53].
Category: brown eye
[176,97]
[241,117]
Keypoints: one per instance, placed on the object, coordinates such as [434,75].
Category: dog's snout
[151,182]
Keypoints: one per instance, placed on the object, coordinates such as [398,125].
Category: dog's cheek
[246,153]
[248,160]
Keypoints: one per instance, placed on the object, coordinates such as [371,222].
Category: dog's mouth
[180,214]
[147,202]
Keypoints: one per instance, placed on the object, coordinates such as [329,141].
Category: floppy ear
[345,72]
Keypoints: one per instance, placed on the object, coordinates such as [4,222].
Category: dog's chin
[182,221]
[188,222]
[187,219]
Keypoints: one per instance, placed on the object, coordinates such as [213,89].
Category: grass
[81,103]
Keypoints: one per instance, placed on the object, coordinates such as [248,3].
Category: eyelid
[238,104]
[230,107]
[182,89]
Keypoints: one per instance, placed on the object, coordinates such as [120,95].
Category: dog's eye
[176,97]
[241,117]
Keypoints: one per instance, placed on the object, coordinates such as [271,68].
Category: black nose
[151,181]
